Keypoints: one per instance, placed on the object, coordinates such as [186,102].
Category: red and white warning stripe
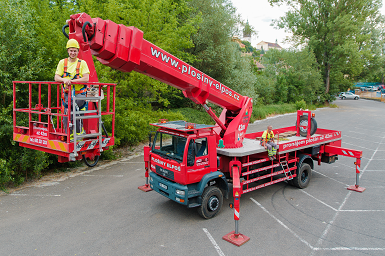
[236,214]
[87,145]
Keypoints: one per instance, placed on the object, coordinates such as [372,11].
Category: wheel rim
[213,203]
[302,125]
[304,176]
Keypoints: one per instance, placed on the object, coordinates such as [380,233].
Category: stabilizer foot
[356,188]
[145,188]
[237,240]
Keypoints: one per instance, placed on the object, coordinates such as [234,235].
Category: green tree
[22,58]
[166,23]
[216,54]
[374,70]
[289,76]
[248,46]
[333,30]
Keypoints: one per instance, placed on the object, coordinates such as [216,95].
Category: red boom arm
[123,48]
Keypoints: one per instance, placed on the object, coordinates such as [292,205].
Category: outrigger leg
[146,187]
[356,187]
[349,153]
[235,237]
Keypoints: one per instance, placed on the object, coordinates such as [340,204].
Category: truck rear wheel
[212,200]
[303,176]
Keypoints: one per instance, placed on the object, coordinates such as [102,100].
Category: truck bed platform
[251,145]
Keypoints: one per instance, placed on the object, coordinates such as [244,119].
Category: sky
[260,14]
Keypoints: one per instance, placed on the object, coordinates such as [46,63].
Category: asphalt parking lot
[100,211]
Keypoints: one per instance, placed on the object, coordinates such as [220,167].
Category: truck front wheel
[303,176]
[212,200]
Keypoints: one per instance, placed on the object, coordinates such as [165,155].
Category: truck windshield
[169,146]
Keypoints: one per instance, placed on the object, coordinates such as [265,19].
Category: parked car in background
[348,95]
[371,88]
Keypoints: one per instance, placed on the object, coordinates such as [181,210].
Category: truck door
[197,159]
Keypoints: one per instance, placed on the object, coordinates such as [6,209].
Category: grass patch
[261,112]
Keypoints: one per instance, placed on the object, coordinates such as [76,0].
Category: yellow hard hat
[72,43]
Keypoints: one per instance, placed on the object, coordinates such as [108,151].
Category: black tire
[356,98]
[343,98]
[212,200]
[303,177]
[304,122]
[89,162]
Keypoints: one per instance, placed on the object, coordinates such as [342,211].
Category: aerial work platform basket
[38,113]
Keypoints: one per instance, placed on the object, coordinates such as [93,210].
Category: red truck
[194,164]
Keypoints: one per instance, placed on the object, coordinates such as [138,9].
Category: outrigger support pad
[145,188]
[236,239]
[356,187]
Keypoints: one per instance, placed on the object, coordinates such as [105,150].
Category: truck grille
[164,172]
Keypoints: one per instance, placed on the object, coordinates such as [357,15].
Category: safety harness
[66,74]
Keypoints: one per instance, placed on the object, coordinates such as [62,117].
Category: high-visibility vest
[269,136]
[77,75]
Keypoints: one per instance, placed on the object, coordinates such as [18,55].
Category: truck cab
[180,164]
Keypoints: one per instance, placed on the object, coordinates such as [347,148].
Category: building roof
[274,45]
[270,45]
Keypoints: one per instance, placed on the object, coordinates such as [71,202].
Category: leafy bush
[300,104]
[132,121]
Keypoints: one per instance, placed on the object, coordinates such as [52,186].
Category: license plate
[162,185]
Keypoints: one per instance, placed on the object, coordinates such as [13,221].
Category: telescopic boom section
[123,48]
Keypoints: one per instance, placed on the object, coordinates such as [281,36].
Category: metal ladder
[286,170]
[79,115]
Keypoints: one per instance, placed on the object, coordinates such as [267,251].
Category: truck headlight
[180,192]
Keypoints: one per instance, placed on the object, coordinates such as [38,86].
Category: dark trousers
[79,103]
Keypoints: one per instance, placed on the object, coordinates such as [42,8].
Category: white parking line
[330,224]
[36,195]
[281,223]
[358,146]
[359,138]
[364,133]
[330,178]
[348,249]
[216,246]
[308,244]
[334,209]
[349,166]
